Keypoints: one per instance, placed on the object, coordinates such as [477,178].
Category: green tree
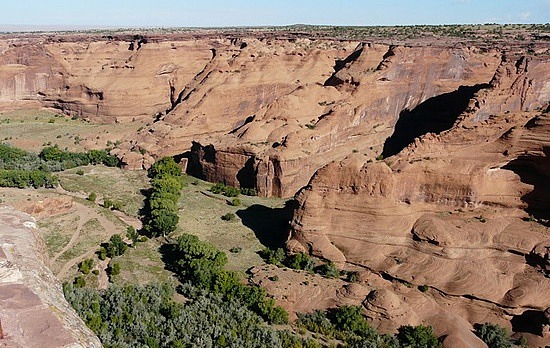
[132,235]
[86,266]
[350,318]
[417,336]
[495,336]
[162,222]
[115,246]
[165,166]
[300,261]
[92,197]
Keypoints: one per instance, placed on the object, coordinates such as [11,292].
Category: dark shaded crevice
[434,115]
[245,122]
[530,321]
[194,164]
[186,92]
[247,174]
[270,225]
[340,64]
[534,170]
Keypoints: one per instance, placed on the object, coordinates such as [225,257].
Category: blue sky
[184,13]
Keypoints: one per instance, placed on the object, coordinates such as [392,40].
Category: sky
[219,13]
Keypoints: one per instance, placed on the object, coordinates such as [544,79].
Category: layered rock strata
[33,310]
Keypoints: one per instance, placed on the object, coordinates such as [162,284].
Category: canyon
[415,162]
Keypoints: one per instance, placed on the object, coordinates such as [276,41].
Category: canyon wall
[463,212]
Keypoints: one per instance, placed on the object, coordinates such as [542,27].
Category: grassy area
[55,241]
[142,263]
[91,237]
[34,129]
[258,222]
[201,212]
[118,185]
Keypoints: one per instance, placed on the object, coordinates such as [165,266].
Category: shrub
[132,235]
[79,282]
[423,288]
[117,205]
[166,166]
[228,191]
[92,197]
[86,266]
[115,246]
[353,276]
[350,318]
[102,253]
[228,217]
[235,250]
[417,336]
[328,270]
[235,202]
[300,261]
[107,203]
[113,269]
[273,257]
[495,336]
[248,191]
[80,172]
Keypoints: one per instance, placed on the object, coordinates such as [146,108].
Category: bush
[300,261]
[92,197]
[328,270]
[350,318]
[79,282]
[102,253]
[228,191]
[273,257]
[80,172]
[115,246]
[113,269]
[228,217]
[353,276]
[235,202]
[166,166]
[107,203]
[248,191]
[132,235]
[235,250]
[417,336]
[423,288]
[495,336]
[86,266]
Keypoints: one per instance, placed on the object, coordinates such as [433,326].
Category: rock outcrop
[264,111]
[463,211]
[33,310]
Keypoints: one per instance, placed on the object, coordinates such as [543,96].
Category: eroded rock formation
[464,211]
[33,310]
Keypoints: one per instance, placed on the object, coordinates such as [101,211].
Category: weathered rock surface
[33,310]
[264,111]
[455,210]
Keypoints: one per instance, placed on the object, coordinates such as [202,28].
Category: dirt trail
[85,214]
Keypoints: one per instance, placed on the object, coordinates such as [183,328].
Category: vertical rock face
[33,310]
[456,210]
[354,110]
